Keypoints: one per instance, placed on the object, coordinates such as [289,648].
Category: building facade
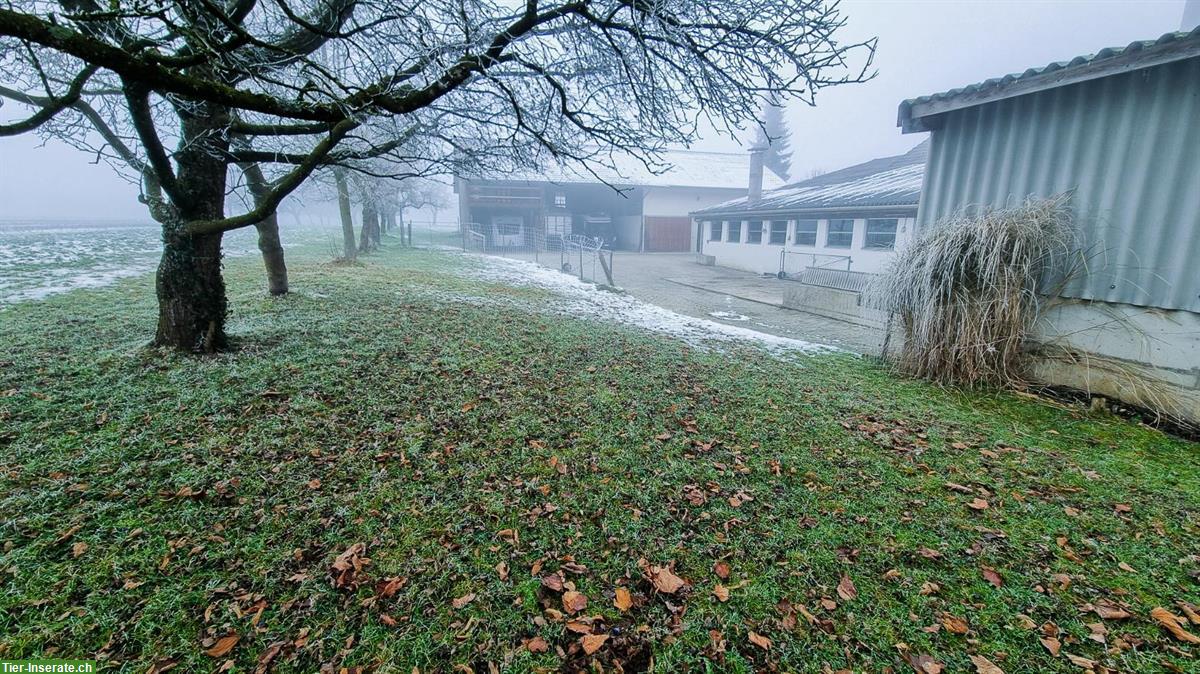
[1118,132]
[630,206]
[853,220]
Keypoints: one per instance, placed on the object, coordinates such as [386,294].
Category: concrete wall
[1149,357]
[764,257]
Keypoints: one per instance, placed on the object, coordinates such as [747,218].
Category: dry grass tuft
[966,290]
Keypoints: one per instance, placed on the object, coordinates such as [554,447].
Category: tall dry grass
[966,291]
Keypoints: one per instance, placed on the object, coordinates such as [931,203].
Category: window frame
[729,230]
[783,232]
[895,222]
[829,233]
[750,233]
[816,230]
[716,229]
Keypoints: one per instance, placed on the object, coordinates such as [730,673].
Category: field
[411,464]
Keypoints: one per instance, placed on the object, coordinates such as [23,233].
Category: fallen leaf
[314,484]
[760,641]
[574,602]
[1071,512]
[721,592]
[665,435]
[223,645]
[1081,661]
[502,571]
[346,568]
[846,589]
[463,600]
[1109,611]
[721,569]
[1174,625]
[579,627]
[592,642]
[978,504]
[1052,644]
[992,576]
[662,577]
[1189,611]
[930,553]
[985,666]
[553,581]
[78,549]
[623,600]
[537,645]
[955,624]
[925,664]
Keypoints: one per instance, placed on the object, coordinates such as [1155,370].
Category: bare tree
[431,84]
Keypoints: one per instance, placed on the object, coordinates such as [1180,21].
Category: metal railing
[792,262]
[837,279]
[589,258]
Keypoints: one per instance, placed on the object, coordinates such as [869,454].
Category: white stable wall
[764,257]
[680,201]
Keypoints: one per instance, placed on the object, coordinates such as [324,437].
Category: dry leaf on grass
[846,589]
[574,602]
[662,577]
[623,600]
[592,642]
[346,567]
[985,666]
[463,600]
[223,645]
[537,645]
[992,576]
[721,569]
[721,592]
[955,624]
[760,641]
[1173,624]
[1052,644]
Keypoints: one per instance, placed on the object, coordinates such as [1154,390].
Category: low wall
[1148,357]
[843,305]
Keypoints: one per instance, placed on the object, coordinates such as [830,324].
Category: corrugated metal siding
[1128,146]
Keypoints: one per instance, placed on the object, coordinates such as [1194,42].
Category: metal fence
[838,279]
[589,258]
[792,263]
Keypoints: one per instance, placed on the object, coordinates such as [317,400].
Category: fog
[924,46]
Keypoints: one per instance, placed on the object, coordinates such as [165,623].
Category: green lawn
[487,461]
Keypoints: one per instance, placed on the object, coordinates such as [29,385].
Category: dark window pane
[840,234]
[806,233]
[754,232]
[714,230]
[778,232]
[733,231]
[881,234]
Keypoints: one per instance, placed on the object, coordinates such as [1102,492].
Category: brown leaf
[846,589]
[462,601]
[579,627]
[721,569]
[924,664]
[623,600]
[1189,611]
[502,571]
[347,567]
[78,549]
[1174,625]
[663,578]
[760,641]
[1109,611]
[985,666]
[1052,644]
[537,645]
[592,642]
[930,553]
[721,592]
[1080,661]
[223,645]
[553,581]
[978,504]
[955,624]
[991,576]
[574,602]
[665,435]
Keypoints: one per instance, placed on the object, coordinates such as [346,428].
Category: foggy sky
[925,46]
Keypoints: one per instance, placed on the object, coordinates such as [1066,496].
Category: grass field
[540,493]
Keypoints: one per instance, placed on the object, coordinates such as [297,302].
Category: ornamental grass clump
[967,290]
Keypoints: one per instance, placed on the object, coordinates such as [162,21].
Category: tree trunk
[268,233]
[400,215]
[191,292]
[370,221]
[349,247]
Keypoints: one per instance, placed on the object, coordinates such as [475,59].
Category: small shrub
[967,290]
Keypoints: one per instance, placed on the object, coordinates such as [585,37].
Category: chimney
[756,172]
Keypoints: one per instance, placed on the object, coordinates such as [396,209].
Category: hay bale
[967,290]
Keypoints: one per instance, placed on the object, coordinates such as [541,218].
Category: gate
[666,234]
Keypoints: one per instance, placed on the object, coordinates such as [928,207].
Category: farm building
[649,213]
[848,220]
[1118,132]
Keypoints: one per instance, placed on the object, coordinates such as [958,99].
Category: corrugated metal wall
[1129,148]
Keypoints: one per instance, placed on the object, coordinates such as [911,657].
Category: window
[840,234]
[778,232]
[806,233]
[560,200]
[754,232]
[881,234]
[714,230]
[733,231]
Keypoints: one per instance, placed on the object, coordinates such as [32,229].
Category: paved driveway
[677,282]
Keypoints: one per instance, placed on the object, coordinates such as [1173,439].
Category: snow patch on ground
[728,316]
[586,300]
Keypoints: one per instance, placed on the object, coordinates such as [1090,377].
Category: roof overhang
[923,114]
[900,210]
